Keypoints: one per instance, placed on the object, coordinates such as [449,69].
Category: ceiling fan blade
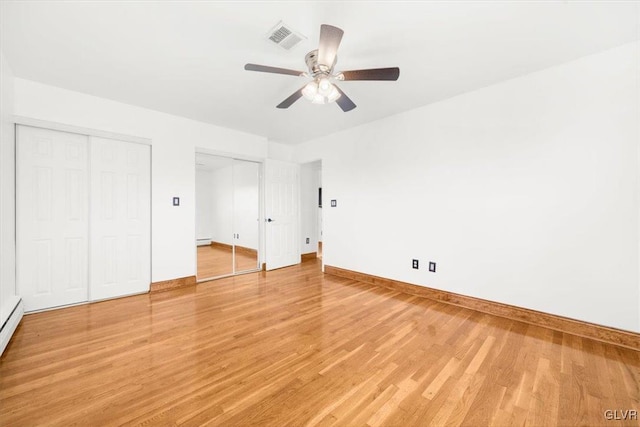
[344,101]
[290,100]
[373,74]
[275,70]
[330,38]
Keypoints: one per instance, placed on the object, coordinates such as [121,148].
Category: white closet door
[52,217]
[120,218]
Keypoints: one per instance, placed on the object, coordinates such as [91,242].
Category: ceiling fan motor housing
[316,69]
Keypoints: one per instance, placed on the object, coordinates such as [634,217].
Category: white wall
[222,205]
[204,203]
[173,159]
[8,298]
[309,207]
[228,203]
[246,203]
[525,192]
[280,151]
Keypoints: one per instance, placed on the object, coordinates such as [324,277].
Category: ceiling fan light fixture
[321,91]
[334,94]
[324,86]
[310,90]
[319,99]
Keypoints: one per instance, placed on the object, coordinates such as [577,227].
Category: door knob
[270,220]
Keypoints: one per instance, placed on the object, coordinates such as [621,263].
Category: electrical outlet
[432,266]
[414,264]
[307,240]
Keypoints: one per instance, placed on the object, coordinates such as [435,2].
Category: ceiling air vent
[284,36]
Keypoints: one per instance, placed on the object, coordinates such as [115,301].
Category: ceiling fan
[321,63]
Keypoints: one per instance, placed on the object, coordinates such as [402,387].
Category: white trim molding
[45,124]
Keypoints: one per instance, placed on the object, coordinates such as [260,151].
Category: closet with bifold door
[83,217]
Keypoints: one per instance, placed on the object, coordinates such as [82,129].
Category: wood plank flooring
[214,261]
[295,347]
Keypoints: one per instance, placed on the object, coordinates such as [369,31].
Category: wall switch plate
[432,266]
[176,201]
[307,240]
[414,264]
[334,203]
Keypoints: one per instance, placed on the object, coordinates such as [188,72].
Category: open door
[282,200]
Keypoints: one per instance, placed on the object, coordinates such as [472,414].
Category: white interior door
[120,218]
[282,200]
[52,217]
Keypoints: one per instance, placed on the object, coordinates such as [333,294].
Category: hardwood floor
[216,261]
[295,347]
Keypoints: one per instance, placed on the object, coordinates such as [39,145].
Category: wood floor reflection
[296,347]
[216,261]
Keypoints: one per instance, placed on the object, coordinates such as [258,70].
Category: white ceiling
[187,58]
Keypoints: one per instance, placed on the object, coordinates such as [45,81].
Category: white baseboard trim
[9,327]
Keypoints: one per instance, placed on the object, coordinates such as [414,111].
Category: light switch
[176,201]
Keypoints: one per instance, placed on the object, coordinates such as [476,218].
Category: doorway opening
[311,209]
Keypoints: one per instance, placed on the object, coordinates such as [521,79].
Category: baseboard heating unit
[10,324]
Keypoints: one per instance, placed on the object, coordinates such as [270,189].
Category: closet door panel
[246,215]
[214,207]
[120,218]
[52,217]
